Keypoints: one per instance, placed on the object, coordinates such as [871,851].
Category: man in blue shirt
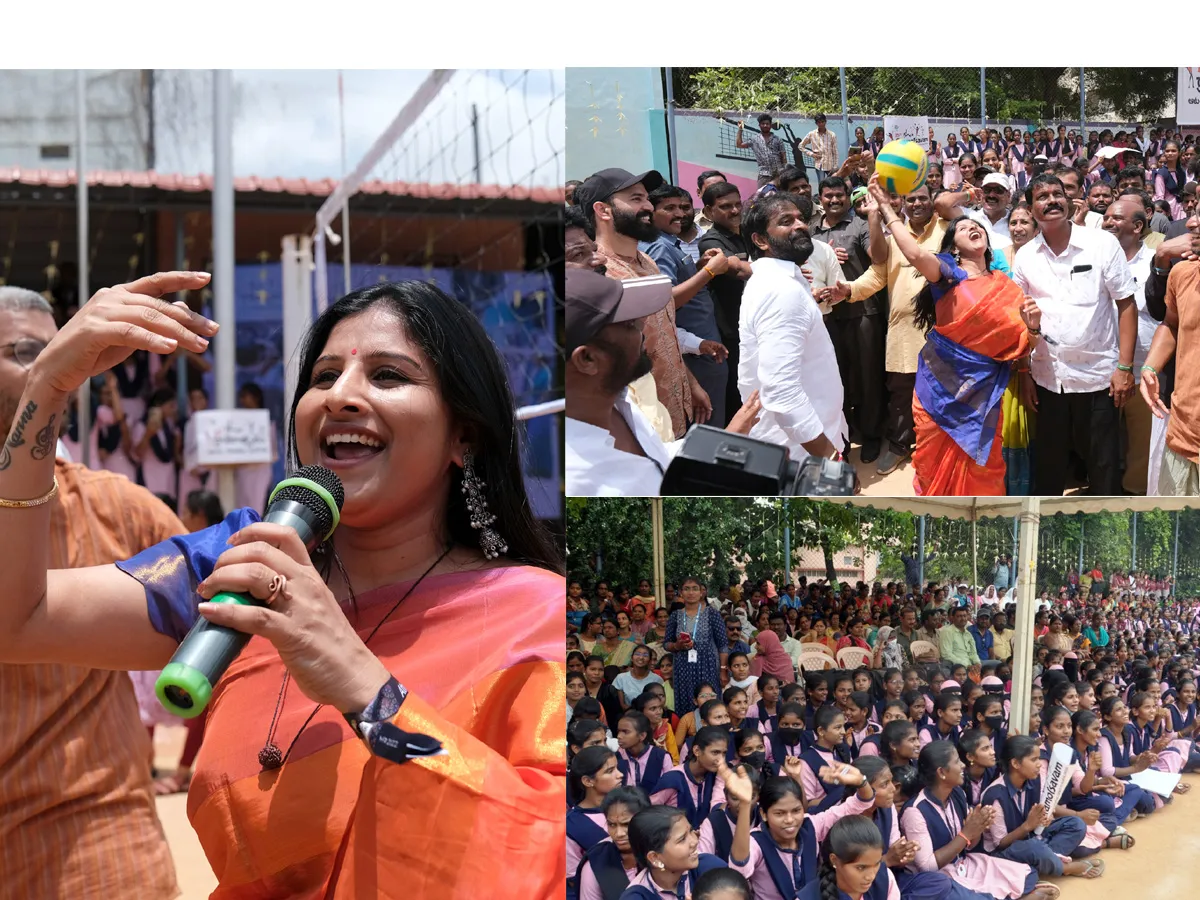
[695,315]
[733,633]
[982,632]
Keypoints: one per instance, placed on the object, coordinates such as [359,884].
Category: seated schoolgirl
[750,749]
[791,736]
[664,847]
[864,679]
[740,676]
[918,713]
[893,711]
[1089,793]
[859,726]
[722,884]
[949,834]
[891,689]
[765,712]
[816,695]
[979,764]
[713,712]
[716,832]
[690,723]
[1037,701]
[650,704]
[1183,719]
[1016,801]
[1128,799]
[592,776]
[852,865]
[947,719]
[693,786]
[737,703]
[779,857]
[987,716]
[1061,692]
[1118,757]
[843,687]
[606,869]
[899,744]
[584,733]
[639,760]
[830,750]
[1151,734]
[1087,695]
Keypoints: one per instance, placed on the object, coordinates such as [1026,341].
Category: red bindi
[354,352]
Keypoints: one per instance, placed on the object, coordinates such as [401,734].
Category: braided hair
[848,839]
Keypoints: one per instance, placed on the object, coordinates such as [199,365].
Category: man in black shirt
[723,207]
[858,330]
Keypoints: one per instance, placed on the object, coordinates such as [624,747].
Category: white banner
[227,437]
[1187,96]
[1058,775]
[907,128]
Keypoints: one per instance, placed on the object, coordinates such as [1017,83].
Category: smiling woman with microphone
[389,729]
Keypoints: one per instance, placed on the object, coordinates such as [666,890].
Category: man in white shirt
[1083,370]
[612,449]
[786,353]
[993,198]
[1125,219]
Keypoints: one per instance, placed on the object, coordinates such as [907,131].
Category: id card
[693,656]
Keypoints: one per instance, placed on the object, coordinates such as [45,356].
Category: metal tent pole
[82,290]
[1022,669]
[223,262]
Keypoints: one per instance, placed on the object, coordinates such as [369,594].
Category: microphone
[310,502]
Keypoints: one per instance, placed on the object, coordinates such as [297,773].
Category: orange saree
[481,654]
[962,374]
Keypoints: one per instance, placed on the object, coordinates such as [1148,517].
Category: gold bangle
[30,504]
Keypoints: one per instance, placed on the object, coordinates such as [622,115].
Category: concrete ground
[192,871]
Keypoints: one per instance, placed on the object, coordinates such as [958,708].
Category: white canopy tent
[1028,511]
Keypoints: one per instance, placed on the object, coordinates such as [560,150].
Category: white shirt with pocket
[1077,293]
[596,468]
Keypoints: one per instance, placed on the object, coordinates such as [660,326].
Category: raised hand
[841,774]
[793,767]
[737,784]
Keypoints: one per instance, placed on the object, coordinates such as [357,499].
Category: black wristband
[384,739]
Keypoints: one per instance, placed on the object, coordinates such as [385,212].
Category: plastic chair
[812,661]
[920,648]
[853,657]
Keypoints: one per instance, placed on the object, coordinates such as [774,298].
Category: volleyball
[902,166]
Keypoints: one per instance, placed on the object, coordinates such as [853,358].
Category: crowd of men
[791,314]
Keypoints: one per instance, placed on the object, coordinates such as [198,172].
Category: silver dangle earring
[482,518]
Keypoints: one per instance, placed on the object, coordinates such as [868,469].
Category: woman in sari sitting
[393,728]
[979,324]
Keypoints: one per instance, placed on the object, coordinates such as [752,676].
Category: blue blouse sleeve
[170,571]
[951,275]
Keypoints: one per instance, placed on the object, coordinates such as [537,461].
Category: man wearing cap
[786,353]
[768,149]
[612,449]
[822,143]
[617,205]
[987,205]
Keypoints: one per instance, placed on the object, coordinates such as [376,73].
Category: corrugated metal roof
[166,181]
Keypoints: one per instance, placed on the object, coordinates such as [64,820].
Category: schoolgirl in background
[899,744]
[740,676]
[664,847]
[716,832]
[694,787]
[592,776]
[843,687]
[641,763]
[779,857]
[737,705]
[766,710]
[584,732]
[750,749]
[576,691]
[607,868]
[947,719]
[979,764]
[891,687]
[1089,793]
[691,722]
[1151,735]
[917,712]
[987,716]
[791,737]
[826,754]
[650,704]
[859,726]
[894,711]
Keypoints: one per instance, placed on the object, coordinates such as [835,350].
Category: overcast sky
[286,123]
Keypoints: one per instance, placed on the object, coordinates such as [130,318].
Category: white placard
[1161,783]
[1058,775]
[230,437]
[907,128]
[1187,96]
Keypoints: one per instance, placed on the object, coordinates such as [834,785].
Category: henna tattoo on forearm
[44,443]
[17,438]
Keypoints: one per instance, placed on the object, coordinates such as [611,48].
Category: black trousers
[899,429]
[733,397]
[1087,423]
[859,347]
[712,377]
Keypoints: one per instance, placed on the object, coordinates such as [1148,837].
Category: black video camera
[716,463]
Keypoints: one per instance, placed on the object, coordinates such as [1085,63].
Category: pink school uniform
[976,871]
[574,851]
[1095,834]
[118,460]
[667,797]
[589,887]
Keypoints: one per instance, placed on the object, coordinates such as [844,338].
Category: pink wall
[689,172]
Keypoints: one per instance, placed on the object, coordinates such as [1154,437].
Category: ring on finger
[276,588]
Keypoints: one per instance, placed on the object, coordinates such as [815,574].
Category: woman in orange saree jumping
[980,325]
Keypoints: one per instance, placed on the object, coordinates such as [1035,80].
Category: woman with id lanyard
[697,641]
